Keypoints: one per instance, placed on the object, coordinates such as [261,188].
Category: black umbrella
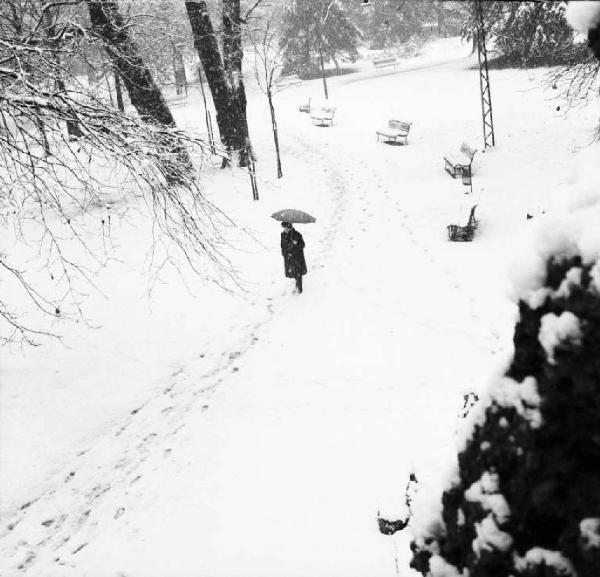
[293,215]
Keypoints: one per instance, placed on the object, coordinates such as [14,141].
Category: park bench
[465,233]
[323,116]
[396,131]
[460,164]
[305,107]
[385,61]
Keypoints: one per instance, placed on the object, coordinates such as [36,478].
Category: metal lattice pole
[484,81]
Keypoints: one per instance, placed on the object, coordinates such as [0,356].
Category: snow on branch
[65,153]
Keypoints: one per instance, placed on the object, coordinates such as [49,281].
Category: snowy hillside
[256,432]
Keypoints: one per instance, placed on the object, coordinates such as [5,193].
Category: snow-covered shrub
[526,502]
[526,33]
[535,34]
[315,31]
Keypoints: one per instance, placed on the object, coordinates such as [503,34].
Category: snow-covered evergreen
[527,488]
[316,33]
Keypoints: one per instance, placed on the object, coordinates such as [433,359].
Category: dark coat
[292,249]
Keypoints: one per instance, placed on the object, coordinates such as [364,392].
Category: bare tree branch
[52,186]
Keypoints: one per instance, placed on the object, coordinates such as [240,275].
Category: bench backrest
[323,112]
[399,125]
[467,150]
[384,61]
[472,219]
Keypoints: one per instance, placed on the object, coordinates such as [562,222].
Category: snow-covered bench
[460,163]
[305,107]
[385,61]
[323,116]
[459,233]
[396,131]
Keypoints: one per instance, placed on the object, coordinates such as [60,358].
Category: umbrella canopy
[293,215]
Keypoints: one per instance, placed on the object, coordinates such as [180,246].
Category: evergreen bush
[536,34]
[311,30]
[526,501]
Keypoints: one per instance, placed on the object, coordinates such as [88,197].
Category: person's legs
[299,283]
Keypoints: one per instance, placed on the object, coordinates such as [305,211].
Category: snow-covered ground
[258,432]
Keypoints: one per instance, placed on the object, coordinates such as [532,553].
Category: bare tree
[268,66]
[107,22]
[577,82]
[223,70]
[161,30]
[53,186]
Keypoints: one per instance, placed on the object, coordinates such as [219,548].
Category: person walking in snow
[292,249]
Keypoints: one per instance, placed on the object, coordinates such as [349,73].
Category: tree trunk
[44,142]
[233,54]
[176,74]
[91,74]
[207,116]
[73,129]
[179,71]
[109,89]
[308,67]
[338,70]
[143,92]
[119,93]
[323,73]
[207,119]
[439,16]
[223,72]
[275,132]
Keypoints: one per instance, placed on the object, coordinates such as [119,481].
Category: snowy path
[277,436]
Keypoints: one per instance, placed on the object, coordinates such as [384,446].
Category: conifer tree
[526,33]
[527,499]
[315,31]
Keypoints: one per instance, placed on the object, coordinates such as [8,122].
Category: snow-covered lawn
[257,432]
